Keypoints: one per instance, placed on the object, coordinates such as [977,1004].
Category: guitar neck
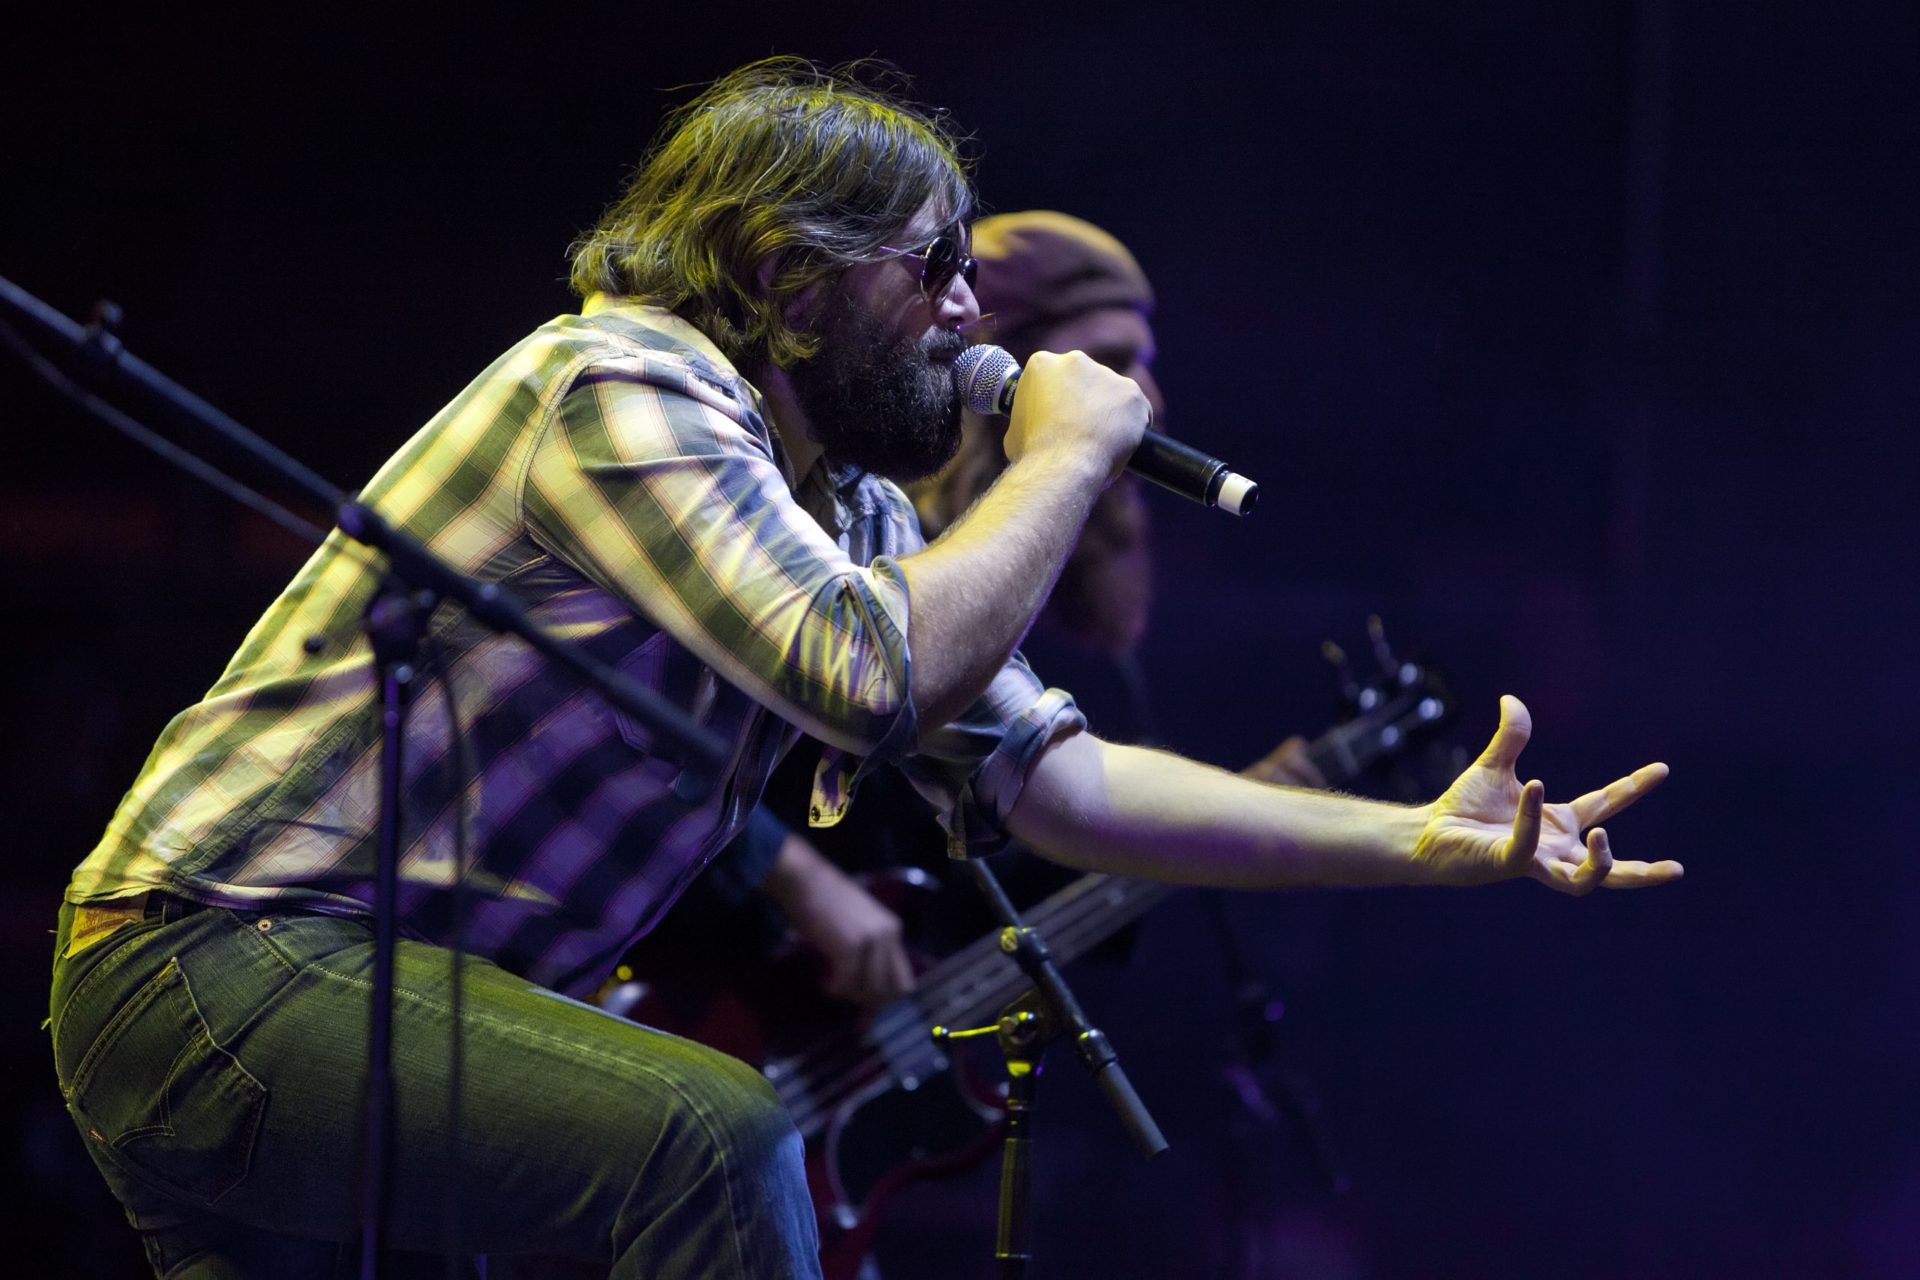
[975,981]
[1346,751]
[1343,754]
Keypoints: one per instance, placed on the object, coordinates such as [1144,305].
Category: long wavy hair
[776,178]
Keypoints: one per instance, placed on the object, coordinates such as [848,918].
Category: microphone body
[988,377]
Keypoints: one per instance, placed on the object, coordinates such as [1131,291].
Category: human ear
[796,310]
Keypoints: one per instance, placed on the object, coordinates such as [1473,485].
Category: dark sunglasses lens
[970,271]
[938,267]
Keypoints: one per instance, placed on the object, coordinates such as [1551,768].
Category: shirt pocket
[161,1096]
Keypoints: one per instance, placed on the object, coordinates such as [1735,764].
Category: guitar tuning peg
[1382,652]
[1343,670]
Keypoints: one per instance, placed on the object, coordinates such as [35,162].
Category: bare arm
[1138,812]
[1145,813]
[975,591]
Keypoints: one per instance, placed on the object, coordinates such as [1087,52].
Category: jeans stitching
[117,957]
[727,1170]
[109,1034]
[165,1127]
[257,1090]
[273,950]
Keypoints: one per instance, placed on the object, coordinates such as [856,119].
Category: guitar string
[953,981]
[947,973]
[976,955]
[805,1072]
[957,982]
[1074,924]
[1081,930]
[1077,923]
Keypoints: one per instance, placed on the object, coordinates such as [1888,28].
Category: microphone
[987,377]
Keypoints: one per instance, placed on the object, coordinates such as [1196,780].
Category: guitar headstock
[1404,705]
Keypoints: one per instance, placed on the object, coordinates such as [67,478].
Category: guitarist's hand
[1489,827]
[861,940]
[1287,765]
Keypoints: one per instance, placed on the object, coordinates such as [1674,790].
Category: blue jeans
[215,1061]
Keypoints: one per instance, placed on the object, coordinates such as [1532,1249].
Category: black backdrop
[1578,340]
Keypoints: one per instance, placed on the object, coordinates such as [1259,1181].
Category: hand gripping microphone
[987,377]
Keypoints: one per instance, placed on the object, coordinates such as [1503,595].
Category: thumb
[1516,727]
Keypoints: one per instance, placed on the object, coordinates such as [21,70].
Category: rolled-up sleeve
[971,769]
[661,487]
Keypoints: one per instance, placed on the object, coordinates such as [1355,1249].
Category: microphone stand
[413,585]
[1047,1011]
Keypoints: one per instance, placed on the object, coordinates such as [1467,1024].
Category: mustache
[943,345]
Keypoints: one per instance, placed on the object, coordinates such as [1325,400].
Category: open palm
[1488,826]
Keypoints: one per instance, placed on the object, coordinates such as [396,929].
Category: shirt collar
[663,321]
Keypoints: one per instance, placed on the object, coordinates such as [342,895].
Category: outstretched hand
[1489,827]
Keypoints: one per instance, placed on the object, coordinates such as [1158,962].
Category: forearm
[1154,815]
[975,591]
[861,939]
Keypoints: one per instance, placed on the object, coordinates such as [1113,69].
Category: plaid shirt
[615,472]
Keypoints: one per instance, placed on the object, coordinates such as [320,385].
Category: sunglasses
[942,259]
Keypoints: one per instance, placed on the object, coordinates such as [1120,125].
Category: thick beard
[879,401]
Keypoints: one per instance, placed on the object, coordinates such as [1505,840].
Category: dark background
[1579,340]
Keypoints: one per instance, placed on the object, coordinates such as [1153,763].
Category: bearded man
[686,479]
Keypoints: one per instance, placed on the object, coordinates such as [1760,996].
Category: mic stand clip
[1043,1014]
[1024,1031]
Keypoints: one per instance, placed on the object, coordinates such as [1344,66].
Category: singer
[696,477]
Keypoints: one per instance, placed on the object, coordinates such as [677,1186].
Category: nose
[959,308]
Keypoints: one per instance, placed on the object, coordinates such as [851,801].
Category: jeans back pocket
[161,1097]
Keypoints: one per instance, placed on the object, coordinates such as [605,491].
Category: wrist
[1069,463]
[1411,844]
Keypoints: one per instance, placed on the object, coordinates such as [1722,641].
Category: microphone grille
[980,373]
